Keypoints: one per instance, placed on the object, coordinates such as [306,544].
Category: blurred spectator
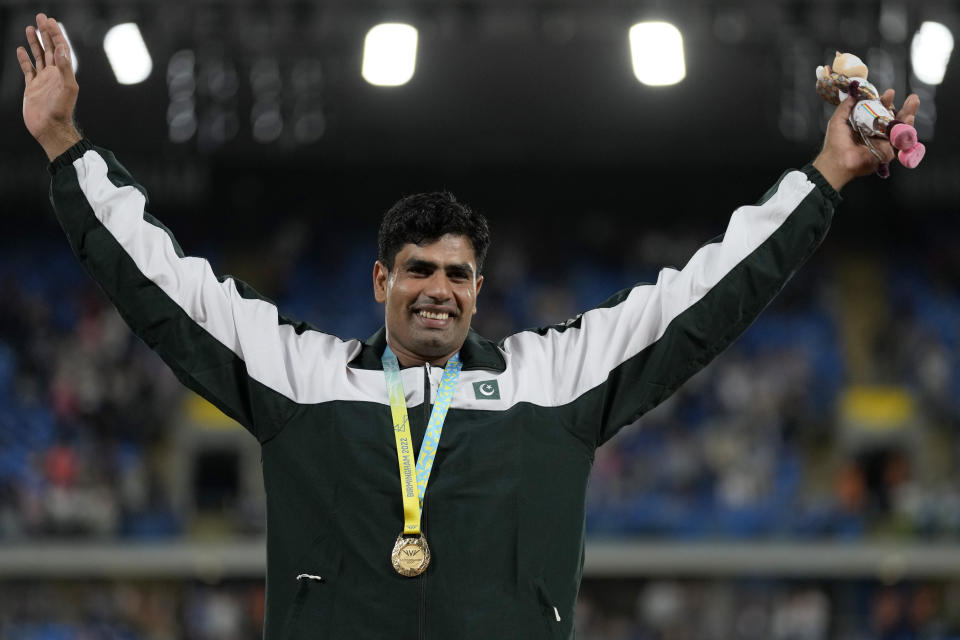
[747,448]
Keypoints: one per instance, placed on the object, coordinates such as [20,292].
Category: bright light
[127,53]
[657,51]
[389,54]
[73,52]
[930,52]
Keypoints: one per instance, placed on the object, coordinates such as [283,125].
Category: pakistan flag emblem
[486,390]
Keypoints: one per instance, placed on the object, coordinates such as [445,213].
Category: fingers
[34,42]
[842,112]
[909,111]
[61,48]
[29,73]
[887,98]
[54,51]
[56,33]
[886,151]
[62,57]
[43,24]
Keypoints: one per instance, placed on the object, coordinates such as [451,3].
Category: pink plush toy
[870,118]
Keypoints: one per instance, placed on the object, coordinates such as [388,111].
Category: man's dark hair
[423,218]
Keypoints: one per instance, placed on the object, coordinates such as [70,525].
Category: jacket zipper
[422,587]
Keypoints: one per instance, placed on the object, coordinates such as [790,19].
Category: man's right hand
[51,88]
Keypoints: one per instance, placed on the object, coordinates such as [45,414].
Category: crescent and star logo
[486,390]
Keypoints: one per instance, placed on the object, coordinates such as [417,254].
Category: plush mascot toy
[870,118]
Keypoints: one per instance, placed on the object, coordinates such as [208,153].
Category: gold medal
[411,555]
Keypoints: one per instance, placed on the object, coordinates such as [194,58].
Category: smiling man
[426,483]
[431,251]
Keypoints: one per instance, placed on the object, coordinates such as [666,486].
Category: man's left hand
[844,156]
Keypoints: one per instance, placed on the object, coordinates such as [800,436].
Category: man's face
[430,298]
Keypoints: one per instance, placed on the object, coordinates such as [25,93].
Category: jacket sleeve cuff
[68,156]
[817,178]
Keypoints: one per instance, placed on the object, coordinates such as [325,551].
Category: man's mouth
[433,315]
[434,318]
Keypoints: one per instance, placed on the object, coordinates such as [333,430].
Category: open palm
[51,89]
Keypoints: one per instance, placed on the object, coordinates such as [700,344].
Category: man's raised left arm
[622,358]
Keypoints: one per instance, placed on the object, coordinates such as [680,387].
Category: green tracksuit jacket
[504,510]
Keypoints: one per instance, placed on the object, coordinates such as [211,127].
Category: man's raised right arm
[218,335]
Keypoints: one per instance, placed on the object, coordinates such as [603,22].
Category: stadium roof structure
[517,83]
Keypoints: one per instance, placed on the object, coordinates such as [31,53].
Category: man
[484,536]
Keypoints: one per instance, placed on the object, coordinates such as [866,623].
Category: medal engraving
[410,555]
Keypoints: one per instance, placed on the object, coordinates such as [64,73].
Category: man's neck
[409,359]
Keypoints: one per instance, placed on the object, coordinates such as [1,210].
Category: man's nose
[438,287]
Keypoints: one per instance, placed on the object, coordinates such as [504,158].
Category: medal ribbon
[413,478]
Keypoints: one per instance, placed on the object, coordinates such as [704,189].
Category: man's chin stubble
[434,347]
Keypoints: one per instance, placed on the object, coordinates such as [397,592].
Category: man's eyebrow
[420,263]
[466,267]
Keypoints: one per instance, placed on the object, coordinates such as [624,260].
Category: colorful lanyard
[413,479]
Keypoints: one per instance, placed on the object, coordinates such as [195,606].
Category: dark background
[527,110]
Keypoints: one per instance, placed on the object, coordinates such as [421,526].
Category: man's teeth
[434,316]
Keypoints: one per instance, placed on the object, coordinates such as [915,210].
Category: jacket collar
[477,352]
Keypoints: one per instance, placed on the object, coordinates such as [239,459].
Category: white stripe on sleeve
[305,368]
[558,367]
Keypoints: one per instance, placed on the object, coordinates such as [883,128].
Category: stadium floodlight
[657,52]
[930,51]
[389,54]
[127,53]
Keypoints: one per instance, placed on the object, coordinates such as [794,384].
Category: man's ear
[477,294]
[380,274]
